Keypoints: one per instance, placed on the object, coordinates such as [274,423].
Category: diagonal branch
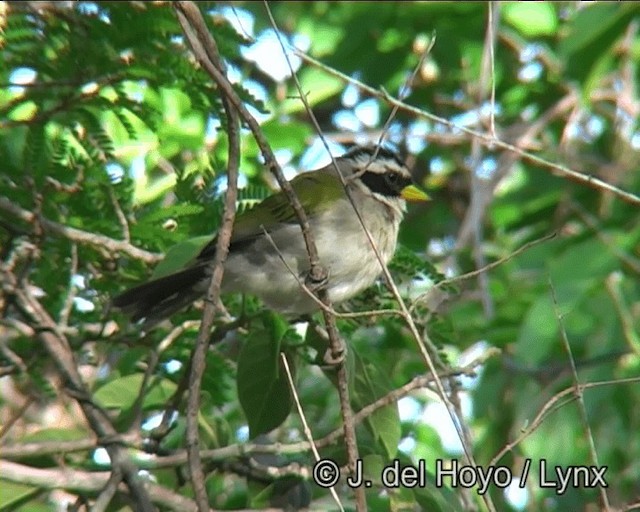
[487,138]
[79,236]
[330,319]
[404,312]
[190,12]
[58,348]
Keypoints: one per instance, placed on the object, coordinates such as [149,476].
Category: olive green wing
[316,191]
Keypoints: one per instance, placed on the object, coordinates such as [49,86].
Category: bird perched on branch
[274,267]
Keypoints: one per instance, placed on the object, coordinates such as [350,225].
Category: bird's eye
[392,179]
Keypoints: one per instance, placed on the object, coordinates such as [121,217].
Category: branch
[79,236]
[206,51]
[317,274]
[489,139]
[404,311]
[579,394]
[271,162]
[26,450]
[87,482]
[243,450]
[305,426]
[180,457]
[552,405]
[58,348]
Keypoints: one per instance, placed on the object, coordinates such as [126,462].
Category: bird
[273,267]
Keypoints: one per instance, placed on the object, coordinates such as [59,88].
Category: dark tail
[158,299]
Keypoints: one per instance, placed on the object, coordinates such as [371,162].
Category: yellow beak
[413,193]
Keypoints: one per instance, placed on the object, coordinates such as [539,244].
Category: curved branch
[79,236]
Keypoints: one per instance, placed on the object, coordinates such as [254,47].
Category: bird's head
[379,172]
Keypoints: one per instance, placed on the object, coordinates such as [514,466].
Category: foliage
[109,127]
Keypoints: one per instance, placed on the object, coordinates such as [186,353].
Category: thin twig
[490,41]
[487,268]
[8,423]
[482,189]
[65,312]
[336,345]
[27,450]
[305,426]
[321,305]
[555,403]
[579,395]
[316,272]
[360,496]
[38,449]
[612,282]
[108,493]
[404,92]
[554,168]
[122,219]
[243,450]
[88,482]
[271,162]
[609,243]
[506,163]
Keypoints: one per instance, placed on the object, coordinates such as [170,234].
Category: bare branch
[122,219]
[88,482]
[556,402]
[554,168]
[65,312]
[336,344]
[579,395]
[305,426]
[79,236]
[58,348]
[206,51]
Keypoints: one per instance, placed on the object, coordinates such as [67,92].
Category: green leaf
[437,499]
[592,33]
[122,393]
[55,434]
[177,211]
[391,39]
[179,255]
[532,19]
[217,381]
[369,384]
[263,389]
[324,36]
[591,24]
[146,192]
[292,136]
[317,85]
[13,494]
[538,332]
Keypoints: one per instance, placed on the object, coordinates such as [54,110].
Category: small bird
[379,184]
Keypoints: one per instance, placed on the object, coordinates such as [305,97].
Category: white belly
[343,249]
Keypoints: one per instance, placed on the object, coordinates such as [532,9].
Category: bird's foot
[320,341]
[317,278]
[335,357]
